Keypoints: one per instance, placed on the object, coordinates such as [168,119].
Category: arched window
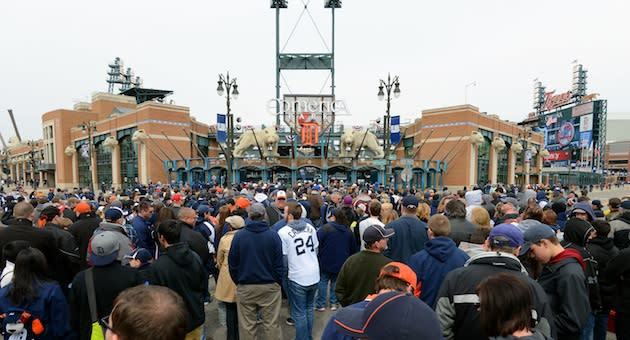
[103,166]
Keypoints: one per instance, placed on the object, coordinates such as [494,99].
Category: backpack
[591,272]
[19,324]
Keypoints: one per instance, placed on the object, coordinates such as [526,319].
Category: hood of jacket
[257,226]
[503,260]
[298,225]
[603,241]
[181,254]
[586,207]
[577,231]
[339,226]
[440,247]
[108,226]
[569,254]
[625,217]
[473,197]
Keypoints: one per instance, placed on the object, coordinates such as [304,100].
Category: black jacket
[455,305]
[82,230]
[22,229]
[197,243]
[461,230]
[563,281]
[410,237]
[181,270]
[618,272]
[603,250]
[67,260]
[109,281]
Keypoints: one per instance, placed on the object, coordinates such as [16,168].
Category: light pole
[526,136]
[387,86]
[474,83]
[232,92]
[90,127]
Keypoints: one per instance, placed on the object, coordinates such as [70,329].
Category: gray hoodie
[123,240]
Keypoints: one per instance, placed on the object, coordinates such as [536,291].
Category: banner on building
[395,130]
[85,150]
[586,122]
[586,138]
[221,128]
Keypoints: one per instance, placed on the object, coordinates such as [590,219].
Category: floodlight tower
[303,61]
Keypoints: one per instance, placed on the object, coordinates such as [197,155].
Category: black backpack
[591,272]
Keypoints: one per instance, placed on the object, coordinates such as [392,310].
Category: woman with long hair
[33,300]
[388,214]
[505,308]
[481,218]
[423,212]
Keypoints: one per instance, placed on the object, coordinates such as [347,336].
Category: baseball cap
[597,203]
[177,197]
[113,214]
[104,248]
[235,221]
[376,233]
[256,209]
[202,209]
[511,200]
[391,315]
[141,254]
[402,272]
[625,204]
[410,201]
[281,194]
[82,208]
[506,235]
[242,202]
[347,200]
[534,234]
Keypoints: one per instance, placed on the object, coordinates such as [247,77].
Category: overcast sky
[55,53]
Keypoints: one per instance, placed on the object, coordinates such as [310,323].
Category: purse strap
[89,283]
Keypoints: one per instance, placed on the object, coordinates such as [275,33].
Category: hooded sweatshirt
[336,244]
[256,255]
[181,270]
[586,207]
[473,199]
[439,256]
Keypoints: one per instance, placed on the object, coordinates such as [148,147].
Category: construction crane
[17,133]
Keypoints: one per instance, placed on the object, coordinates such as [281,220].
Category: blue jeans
[302,299]
[321,292]
[587,331]
[601,325]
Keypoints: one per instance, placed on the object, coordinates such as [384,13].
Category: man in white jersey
[299,248]
[374,209]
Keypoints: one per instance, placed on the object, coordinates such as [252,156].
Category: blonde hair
[423,212]
[480,217]
[387,213]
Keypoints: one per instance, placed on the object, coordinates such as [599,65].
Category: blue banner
[221,128]
[395,130]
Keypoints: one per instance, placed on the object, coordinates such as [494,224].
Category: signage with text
[553,101]
[558,156]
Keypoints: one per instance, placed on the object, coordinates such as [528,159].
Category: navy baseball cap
[113,214]
[506,235]
[391,315]
[105,248]
[141,254]
[410,201]
[535,233]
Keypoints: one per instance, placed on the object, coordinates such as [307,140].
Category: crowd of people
[488,262]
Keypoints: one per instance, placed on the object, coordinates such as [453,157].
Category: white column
[116,180]
[143,164]
[494,164]
[75,170]
[473,165]
[24,172]
[512,167]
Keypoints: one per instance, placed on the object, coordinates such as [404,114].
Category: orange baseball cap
[402,272]
[82,208]
[242,202]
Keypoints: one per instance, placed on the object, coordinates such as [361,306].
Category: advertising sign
[585,139]
[558,156]
[586,122]
[566,133]
[583,109]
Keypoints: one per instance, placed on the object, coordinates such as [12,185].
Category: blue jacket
[331,331]
[410,237]
[336,244]
[144,234]
[50,307]
[256,255]
[438,258]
